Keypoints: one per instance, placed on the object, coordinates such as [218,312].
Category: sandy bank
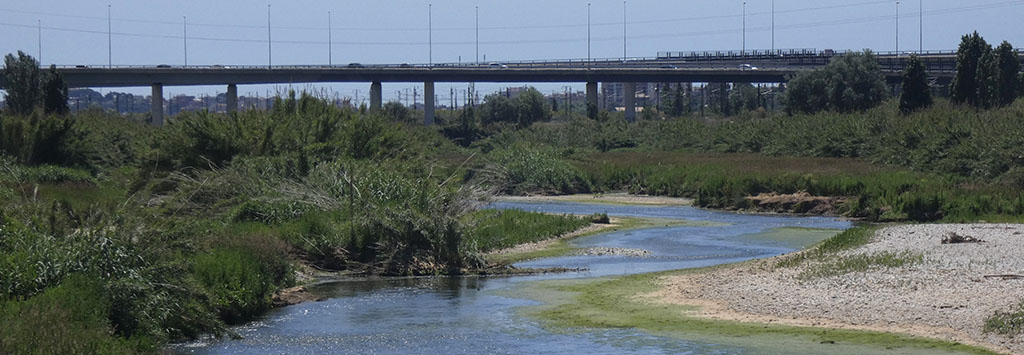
[946,295]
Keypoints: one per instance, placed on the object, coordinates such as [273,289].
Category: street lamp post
[110,41]
[270,49]
[330,41]
[477,11]
[743,51]
[430,34]
[588,33]
[897,27]
[920,23]
[40,24]
[773,26]
[623,31]
[184,36]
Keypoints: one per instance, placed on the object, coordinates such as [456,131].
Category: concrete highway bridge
[668,67]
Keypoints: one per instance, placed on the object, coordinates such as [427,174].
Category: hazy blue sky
[394,31]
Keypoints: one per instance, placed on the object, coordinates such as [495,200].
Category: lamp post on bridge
[184,36]
[743,51]
[897,27]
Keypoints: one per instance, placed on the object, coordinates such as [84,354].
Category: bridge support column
[158,105]
[375,96]
[629,100]
[592,99]
[428,103]
[232,98]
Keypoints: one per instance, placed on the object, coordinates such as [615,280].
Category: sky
[233,32]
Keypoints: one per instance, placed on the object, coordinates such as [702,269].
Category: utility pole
[330,43]
[110,41]
[184,32]
[270,49]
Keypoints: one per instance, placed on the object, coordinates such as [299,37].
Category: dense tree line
[985,77]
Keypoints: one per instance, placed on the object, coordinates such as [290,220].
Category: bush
[490,230]
[532,170]
[66,319]
[242,273]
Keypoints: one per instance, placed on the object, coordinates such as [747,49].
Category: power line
[396,29]
[824,23]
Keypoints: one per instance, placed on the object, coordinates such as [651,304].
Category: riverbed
[477,315]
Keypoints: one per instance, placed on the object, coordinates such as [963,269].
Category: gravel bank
[946,295]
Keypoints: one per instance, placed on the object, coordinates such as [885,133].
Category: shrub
[538,170]
[850,83]
[68,319]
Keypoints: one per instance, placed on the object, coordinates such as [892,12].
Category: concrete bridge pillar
[232,98]
[428,103]
[158,105]
[592,98]
[375,96]
[629,100]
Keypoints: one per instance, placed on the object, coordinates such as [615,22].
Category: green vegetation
[192,226]
[861,263]
[848,239]
[849,83]
[1007,323]
[614,303]
[915,94]
[495,230]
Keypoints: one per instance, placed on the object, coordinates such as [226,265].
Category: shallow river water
[473,315]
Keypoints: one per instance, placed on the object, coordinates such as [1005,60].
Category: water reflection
[472,315]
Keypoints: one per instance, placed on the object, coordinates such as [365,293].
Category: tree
[915,94]
[964,88]
[1007,76]
[850,83]
[497,109]
[988,72]
[743,97]
[530,107]
[24,93]
[55,93]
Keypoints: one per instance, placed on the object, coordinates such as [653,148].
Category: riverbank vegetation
[177,231]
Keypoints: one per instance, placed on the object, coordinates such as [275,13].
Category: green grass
[614,303]
[67,319]
[860,263]
[1007,323]
[848,239]
[497,229]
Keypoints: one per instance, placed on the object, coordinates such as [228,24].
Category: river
[475,315]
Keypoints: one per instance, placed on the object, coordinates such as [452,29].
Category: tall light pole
[430,34]
[40,23]
[477,9]
[588,33]
[920,23]
[773,26]
[897,27]
[623,31]
[743,51]
[270,49]
[330,39]
[110,41]
[184,36]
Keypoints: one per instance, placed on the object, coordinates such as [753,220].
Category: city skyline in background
[235,33]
